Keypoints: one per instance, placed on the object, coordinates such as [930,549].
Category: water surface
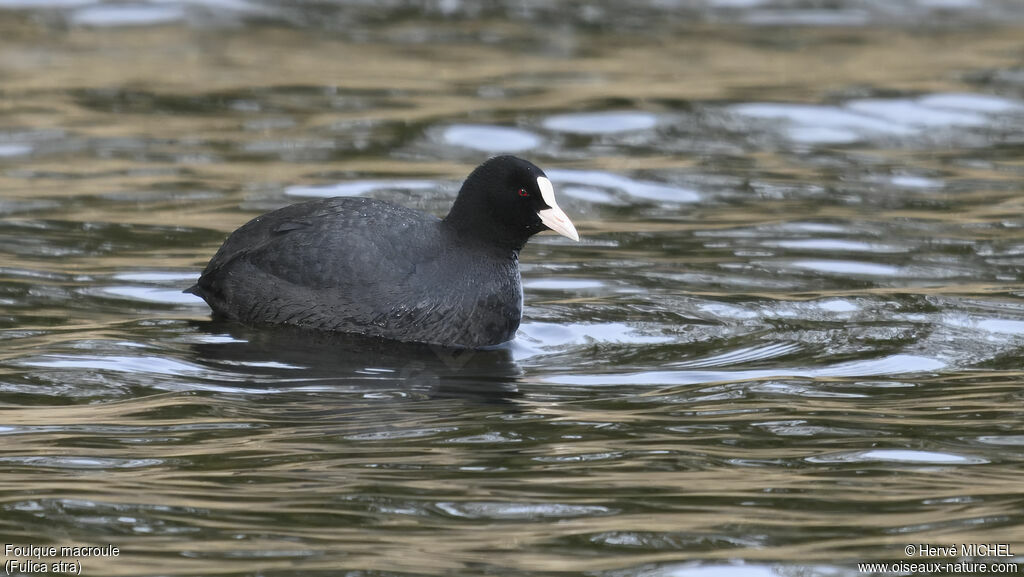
[790,339]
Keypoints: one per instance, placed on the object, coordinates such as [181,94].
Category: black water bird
[358,265]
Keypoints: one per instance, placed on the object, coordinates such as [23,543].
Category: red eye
[523,192]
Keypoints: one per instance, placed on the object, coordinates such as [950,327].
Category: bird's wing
[338,243]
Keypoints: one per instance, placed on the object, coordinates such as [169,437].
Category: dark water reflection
[790,340]
[292,360]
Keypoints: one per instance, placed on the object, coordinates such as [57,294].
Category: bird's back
[364,266]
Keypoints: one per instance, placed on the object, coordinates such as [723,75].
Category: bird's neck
[477,225]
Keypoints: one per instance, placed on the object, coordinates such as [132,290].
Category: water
[790,339]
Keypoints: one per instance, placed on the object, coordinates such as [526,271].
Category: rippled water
[791,338]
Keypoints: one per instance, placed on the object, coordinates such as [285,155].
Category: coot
[358,265]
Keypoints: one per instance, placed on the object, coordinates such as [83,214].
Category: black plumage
[365,266]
